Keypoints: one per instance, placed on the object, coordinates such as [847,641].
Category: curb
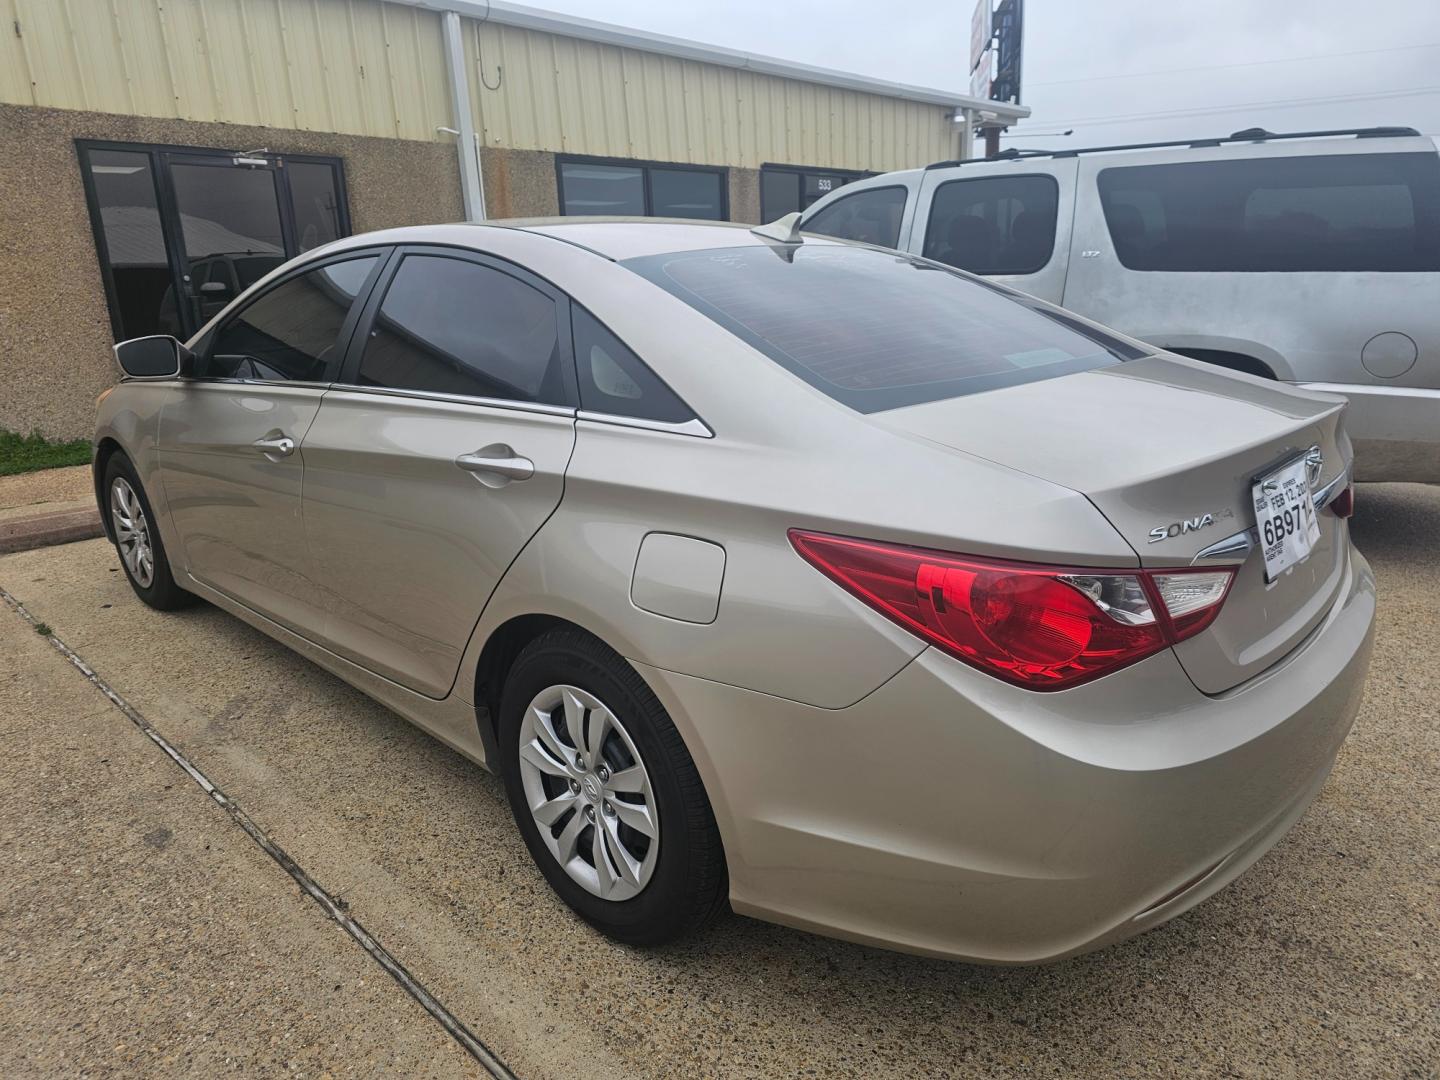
[44,530]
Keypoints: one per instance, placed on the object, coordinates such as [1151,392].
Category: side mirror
[156,357]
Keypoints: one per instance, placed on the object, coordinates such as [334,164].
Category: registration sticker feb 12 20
[1285,517]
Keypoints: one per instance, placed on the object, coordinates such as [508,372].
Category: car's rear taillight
[1041,627]
[1343,504]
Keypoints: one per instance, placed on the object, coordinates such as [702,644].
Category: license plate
[1285,517]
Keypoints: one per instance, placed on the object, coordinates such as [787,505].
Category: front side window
[614,381]
[879,330]
[452,326]
[1340,212]
[641,190]
[993,225]
[871,216]
[291,331]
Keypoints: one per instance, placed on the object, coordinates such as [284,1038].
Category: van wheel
[605,794]
[137,540]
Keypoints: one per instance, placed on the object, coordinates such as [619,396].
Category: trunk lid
[1172,445]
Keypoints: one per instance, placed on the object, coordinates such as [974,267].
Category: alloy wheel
[588,791]
[132,532]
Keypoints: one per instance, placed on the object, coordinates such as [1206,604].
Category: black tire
[161,593]
[689,885]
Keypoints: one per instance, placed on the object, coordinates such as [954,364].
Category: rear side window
[878,330]
[289,332]
[1317,213]
[993,225]
[871,216]
[452,326]
[614,381]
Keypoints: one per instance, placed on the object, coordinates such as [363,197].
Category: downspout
[467,144]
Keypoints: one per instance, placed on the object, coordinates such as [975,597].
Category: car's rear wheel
[137,540]
[605,794]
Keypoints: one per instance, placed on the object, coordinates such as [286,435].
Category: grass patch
[30,453]
[43,629]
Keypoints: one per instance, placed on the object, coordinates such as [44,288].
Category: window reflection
[130,221]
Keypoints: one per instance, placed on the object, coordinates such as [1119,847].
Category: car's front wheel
[137,540]
[605,794]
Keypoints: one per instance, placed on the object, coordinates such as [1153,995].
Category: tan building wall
[538,91]
[363,67]
[55,335]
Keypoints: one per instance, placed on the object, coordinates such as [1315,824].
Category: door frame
[161,156]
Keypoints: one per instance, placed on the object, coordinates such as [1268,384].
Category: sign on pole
[980,77]
[979,32]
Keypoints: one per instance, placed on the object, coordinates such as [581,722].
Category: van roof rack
[1253,134]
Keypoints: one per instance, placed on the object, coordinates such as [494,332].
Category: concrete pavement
[1323,960]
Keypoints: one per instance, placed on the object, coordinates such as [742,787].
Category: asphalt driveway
[143,933]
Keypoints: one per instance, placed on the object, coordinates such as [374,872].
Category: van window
[1318,213]
[993,225]
[871,216]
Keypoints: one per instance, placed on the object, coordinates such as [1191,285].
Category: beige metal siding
[362,67]
[580,97]
[356,67]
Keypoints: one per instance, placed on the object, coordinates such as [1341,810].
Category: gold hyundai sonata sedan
[827,582]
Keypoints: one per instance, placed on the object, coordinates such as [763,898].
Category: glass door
[230,232]
[181,233]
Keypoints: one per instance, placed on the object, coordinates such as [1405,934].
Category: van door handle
[275,445]
[497,460]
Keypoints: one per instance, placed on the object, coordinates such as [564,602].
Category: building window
[641,189]
[785,189]
[181,232]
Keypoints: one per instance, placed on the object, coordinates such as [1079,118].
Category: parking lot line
[382,956]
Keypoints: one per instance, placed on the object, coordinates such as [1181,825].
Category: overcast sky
[1114,70]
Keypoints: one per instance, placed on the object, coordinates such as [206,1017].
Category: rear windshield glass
[1319,213]
[873,329]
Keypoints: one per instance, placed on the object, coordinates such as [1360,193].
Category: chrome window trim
[694,427]
[299,384]
[459,399]
[1240,544]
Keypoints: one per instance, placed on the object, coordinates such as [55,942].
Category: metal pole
[466,146]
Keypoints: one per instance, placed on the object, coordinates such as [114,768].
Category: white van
[1313,257]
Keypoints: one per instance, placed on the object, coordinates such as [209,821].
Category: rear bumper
[1395,429]
[953,815]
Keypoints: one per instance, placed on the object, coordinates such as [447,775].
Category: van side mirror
[159,356]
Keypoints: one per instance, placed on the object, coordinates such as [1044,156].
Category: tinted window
[993,225]
[685,194]
[1332,212]
[874,329]
[872,217]
[455,327]
[614,380]
[129,218]
[317,203]
[291,331]
[779,194]
[601,189]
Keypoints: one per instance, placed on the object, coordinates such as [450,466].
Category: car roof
[633,237]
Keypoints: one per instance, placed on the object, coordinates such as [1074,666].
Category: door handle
[275,445]
[496,460]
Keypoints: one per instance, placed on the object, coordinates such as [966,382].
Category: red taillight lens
[1042,627]
[1344,504]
